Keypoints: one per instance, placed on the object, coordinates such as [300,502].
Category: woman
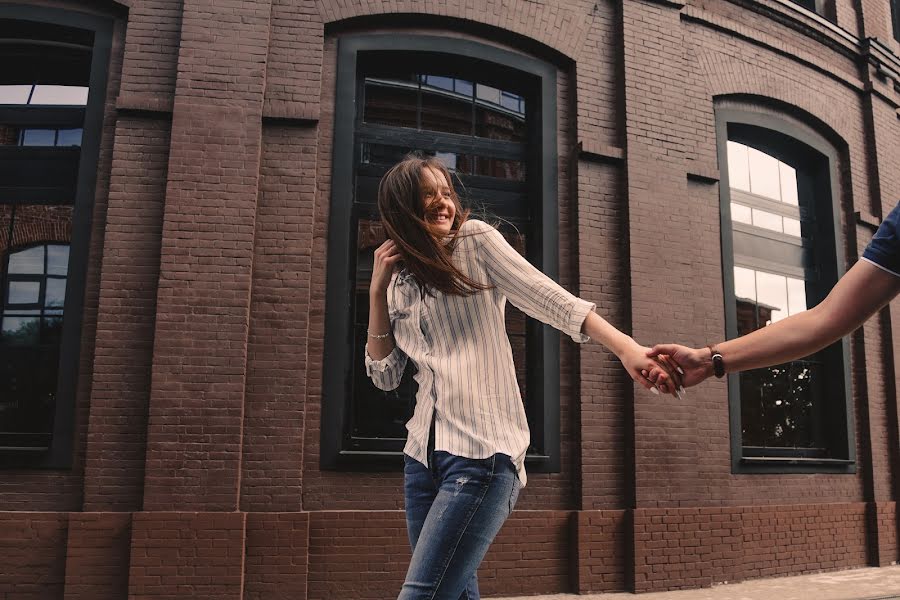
[465,452]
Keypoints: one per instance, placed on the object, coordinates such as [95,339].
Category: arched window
[781,256]
[52,92]
[490,115]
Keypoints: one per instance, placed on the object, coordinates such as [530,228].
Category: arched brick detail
[561,28]
[35,224]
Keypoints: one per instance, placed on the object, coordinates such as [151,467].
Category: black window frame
[83,162]
[337,381]
[790,141]
[895,18]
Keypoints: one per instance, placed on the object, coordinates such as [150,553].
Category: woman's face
[437,199]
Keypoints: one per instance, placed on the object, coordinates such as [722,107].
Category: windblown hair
[426,250]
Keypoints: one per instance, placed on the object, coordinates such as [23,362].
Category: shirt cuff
[382,365]
[577,316]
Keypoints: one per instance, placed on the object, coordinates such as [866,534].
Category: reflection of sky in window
[69,137]
[753,171]
[772,291]
[24,292]
[59,95]
[51,95]
[14,94]
[57,259]
[764,177]
[767,220]
[738,173]
[744,283]
[785,295]
[14,324]
[56,292]
[39,137]
[29,261]
[788,176]
[741,213]
[448,158]
[487,93]
[796,295]
[792,226]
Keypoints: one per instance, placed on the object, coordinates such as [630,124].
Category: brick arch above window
[559,28]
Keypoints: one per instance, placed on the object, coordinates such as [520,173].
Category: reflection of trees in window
[43,97]
[783,263]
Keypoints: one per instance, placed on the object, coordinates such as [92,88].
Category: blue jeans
[453,512]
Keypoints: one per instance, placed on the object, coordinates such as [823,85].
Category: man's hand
[693,364]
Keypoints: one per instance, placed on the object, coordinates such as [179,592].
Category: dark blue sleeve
[884,249]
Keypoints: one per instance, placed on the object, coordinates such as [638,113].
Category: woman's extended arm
[540,297]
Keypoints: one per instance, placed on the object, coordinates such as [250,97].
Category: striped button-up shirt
[466,376]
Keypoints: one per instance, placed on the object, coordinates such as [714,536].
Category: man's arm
[861,292]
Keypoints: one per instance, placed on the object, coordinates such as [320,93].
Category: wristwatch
[717,361]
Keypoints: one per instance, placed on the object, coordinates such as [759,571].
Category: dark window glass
[445,104]
[43,98]
[34,291]
[475,129]
[895,15]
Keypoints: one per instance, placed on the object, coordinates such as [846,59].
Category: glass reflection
[738,167]
[447,104]
[764,177]
[34,278]
[765,298]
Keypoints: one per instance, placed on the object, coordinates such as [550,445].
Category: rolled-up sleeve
[526,287]
[387,372]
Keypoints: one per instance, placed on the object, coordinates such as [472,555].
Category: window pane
[788,184]
[796,295]
[767,220]
[57,259]
[437,81]
[24,292]
[778,405]
[68,95]
[14,94]
[764,176]
[792,226]
[487,93]
[391,102]
[28,262]
[466,88]
[771,296]
[20,330]
[69,137]
[56,292]
[745,297]
[502,169]
[446,111]
[741,213]
[738,167]
[39,137]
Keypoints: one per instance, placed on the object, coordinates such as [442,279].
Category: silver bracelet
[378,337]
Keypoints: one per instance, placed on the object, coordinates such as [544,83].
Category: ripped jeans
[453,512]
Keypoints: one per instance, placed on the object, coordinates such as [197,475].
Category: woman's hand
[386,257]
[636,361]
[695,363]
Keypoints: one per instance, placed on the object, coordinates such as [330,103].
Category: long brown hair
[426,250]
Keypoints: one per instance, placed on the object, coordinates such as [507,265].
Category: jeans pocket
[514,493]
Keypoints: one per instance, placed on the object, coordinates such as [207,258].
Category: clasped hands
[674,368]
